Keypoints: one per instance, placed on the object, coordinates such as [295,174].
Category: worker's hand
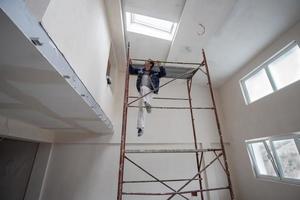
[130,61]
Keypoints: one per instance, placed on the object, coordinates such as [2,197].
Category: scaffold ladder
[199,153]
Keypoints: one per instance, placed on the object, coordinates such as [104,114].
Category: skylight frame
[136,18]
[145,28]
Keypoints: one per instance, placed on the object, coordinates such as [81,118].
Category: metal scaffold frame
[199,153]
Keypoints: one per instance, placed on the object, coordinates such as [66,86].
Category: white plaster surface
[88,168]
[81,32]
[274,114]
[90,171]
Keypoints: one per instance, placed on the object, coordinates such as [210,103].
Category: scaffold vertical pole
[218,125]
[189,88]
[123,133]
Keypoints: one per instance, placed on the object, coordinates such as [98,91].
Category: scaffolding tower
[218,153]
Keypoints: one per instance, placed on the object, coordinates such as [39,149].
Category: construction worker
[147,82]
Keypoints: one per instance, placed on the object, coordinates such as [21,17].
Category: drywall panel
[274,114]
[13,128]
[90,171]
[80,30]
[39,94]
[82,171]
[164,126]
[37,7]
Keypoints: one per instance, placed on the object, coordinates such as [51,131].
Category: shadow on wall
[16,163]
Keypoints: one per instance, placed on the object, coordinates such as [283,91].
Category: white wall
[90,171]
[85,171]
[81,32]
[274,114]
[88,168]
[164,126]
[37,7]
[81,171]
[12,128]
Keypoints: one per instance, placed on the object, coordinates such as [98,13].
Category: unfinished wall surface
[275,114]
[12,128]
[164,126]
[80,30]
[89,168]
[90,171]
[37,7]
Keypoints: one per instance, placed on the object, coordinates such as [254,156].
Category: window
[288,156]
[150,26]
[258,85]
[276,158]
[279,71]
[286,69]
[262,158]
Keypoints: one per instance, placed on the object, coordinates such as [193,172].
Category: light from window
[280,70]
[288,157]
[150,26]
[159,24]
[286,69]
[276,158]
[262,158]
[258,85]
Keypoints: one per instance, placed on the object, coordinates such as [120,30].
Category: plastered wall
[88,168]
[81,31]
[275,114]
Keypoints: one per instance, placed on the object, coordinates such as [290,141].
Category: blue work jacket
[154,77]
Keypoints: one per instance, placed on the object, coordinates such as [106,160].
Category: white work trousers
[141,113]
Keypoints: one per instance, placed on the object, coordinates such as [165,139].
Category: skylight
[150,26]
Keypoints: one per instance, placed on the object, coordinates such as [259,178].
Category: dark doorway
[16,163]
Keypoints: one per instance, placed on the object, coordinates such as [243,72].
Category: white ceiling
[142,46]
[32,91]
[235,30]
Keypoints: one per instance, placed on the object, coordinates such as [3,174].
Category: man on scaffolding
[147,83]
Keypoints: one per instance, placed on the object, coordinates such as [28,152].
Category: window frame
[296,139]
[275,159]
[146,29]
[254,164]
[134,19]
[265,66]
